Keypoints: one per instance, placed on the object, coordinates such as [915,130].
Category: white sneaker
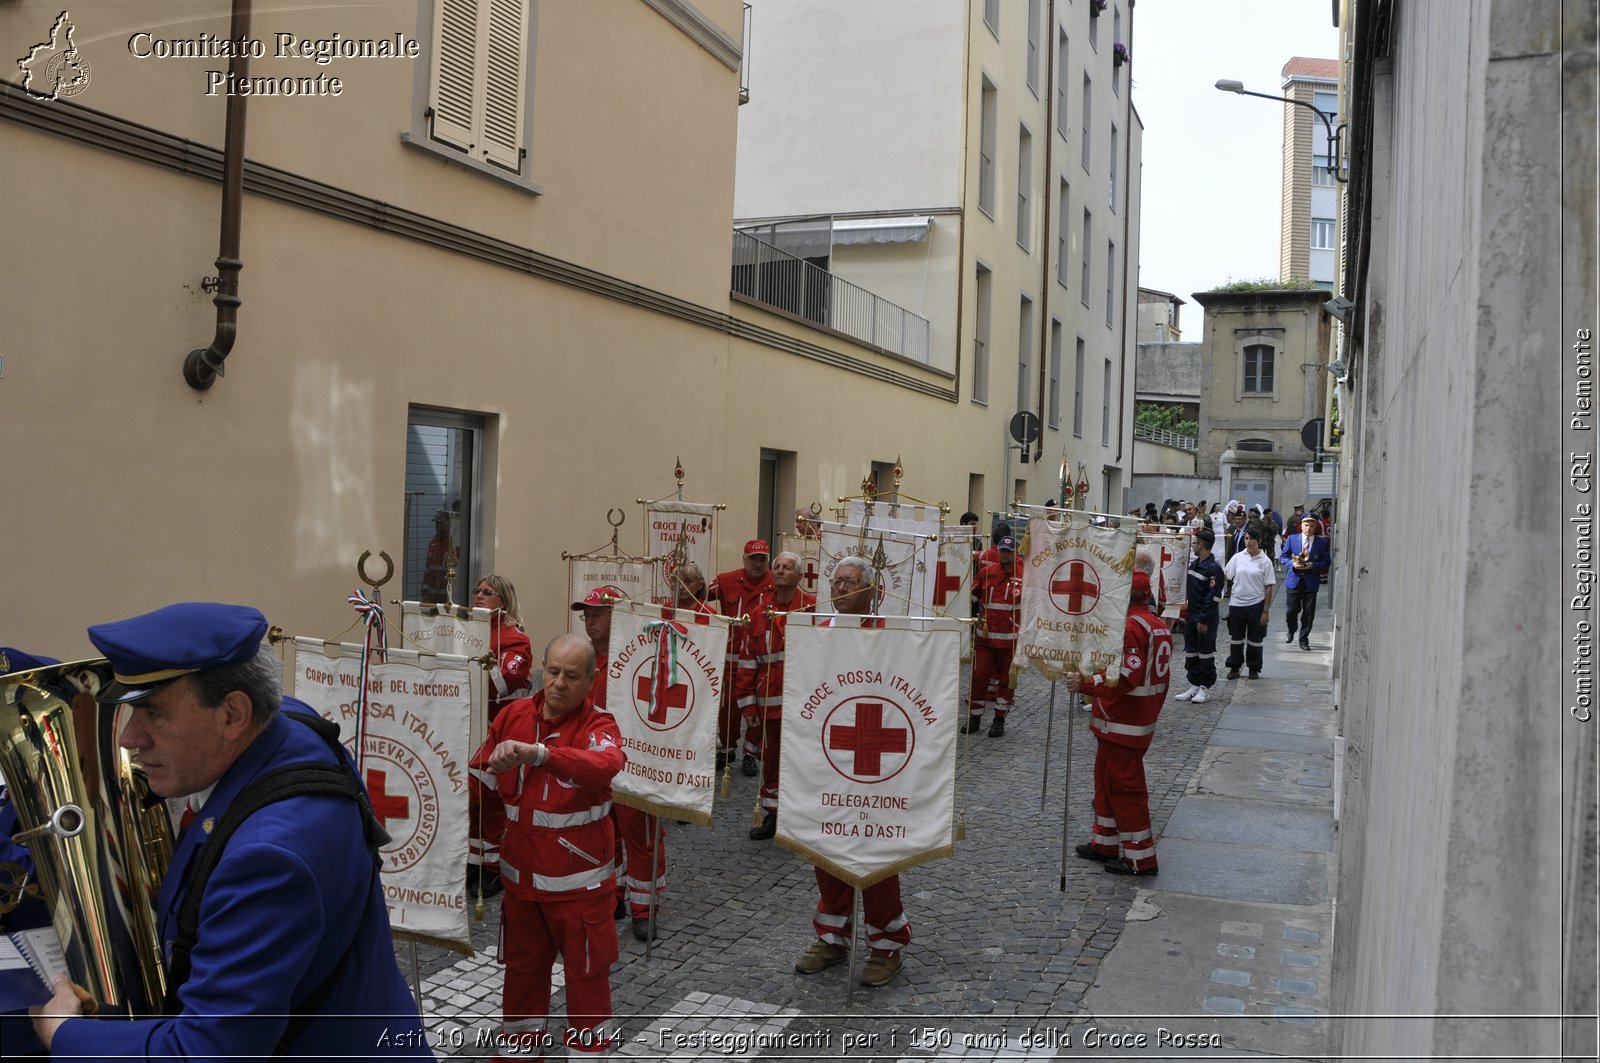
[1188,695]
[1201,696]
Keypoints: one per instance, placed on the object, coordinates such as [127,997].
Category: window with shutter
[478,89]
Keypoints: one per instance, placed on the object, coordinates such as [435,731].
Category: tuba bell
[100,841]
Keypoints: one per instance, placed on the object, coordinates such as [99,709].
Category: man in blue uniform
[1306,559]
[293,954]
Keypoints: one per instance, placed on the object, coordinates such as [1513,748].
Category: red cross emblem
[673,701]
[675,696]
[1075,583]
[944,584]
[809,575]
[385,806]
[877,735]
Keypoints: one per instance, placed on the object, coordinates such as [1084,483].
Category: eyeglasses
[847,581]
[486,592]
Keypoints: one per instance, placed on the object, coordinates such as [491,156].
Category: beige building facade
[485,296]
[1309,208]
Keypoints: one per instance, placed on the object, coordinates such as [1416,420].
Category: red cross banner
[417,747]
[664,686]
[668,522]
[908,559]
[1168,556]
[951,585]
[1075,585]
[636,576]
[463,631]
[868,744]
[809,550]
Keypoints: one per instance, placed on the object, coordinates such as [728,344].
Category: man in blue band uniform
[293,955]
[1306,560]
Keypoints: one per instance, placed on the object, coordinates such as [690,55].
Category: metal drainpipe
[1127,252]
[202,366]
[1046,195]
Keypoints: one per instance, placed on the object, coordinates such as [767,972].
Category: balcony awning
[905,229]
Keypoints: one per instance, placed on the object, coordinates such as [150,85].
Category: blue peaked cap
[148,652]
[14,660]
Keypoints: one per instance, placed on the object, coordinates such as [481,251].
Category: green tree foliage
[1170,416]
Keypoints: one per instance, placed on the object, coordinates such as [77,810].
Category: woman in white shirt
[1253,578]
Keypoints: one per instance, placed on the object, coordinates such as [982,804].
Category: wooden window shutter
[456,51]
[506,65]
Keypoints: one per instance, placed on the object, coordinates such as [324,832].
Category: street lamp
[1229,85]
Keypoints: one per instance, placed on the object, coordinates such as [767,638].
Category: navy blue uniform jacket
[294,894]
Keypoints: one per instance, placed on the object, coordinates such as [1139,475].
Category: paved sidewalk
[1229,944]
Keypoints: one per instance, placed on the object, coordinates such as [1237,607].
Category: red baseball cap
[757,546]
[603,596]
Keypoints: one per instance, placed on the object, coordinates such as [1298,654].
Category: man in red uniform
[644,863]
[510,678]
[739,592]
[554,758]
[768,632]
[855,593]
[999,589]
[1126,704]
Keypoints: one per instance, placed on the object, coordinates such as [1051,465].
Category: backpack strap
[296,780]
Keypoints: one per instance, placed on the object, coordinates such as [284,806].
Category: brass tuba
[100,841]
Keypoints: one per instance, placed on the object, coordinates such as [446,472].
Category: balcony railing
[1161,435]
[790,285]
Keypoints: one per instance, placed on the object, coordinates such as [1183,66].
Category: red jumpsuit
[999,593]
[736,595]
[509,680]
[558,870]
[1124,724]
[888,929]
[766,641]
[641,861]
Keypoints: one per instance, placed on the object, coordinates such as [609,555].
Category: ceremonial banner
[869,743]
[906,563]
[1168,556]
[664,687]
[952,583]
[464,630]
[667,524]
[908,516]
[415,768]
[810,550]
[1075,586]
[636,576]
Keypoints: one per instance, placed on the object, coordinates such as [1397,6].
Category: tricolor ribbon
[369,611]
[667,638]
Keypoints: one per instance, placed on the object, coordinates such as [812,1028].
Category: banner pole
[1049,728]
[416,972]
[1066,791]
[655,878]
[855,922]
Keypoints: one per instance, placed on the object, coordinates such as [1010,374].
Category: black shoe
[490,883]
[769,827]
[472,878]
[722,759]
[1289,638]
[1305,644]
[1117,867]
[622,909]
[972,725]
[641,929]
[1088,852]
[1233,673]
[749,765]
[1255,675]
[997,728]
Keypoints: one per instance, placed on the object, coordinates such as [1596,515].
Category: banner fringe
[861,882]
[665,811]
